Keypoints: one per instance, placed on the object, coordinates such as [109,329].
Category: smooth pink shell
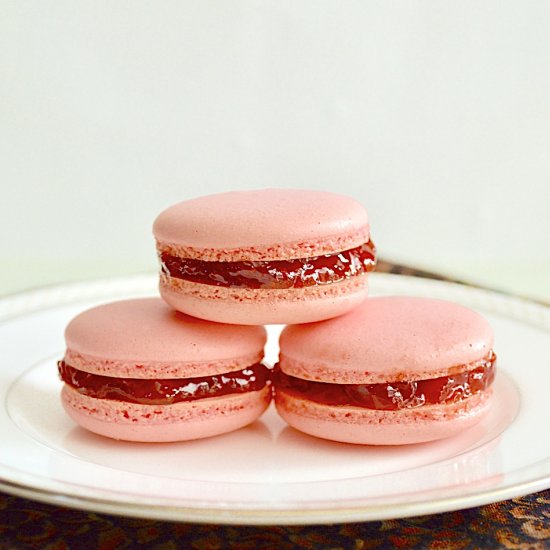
[259,307]
[259,218]
[368,427]
[387,339]
[145,338]
[165,423]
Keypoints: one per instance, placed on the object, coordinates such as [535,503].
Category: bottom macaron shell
[165,423]
[260,307]
[371,427]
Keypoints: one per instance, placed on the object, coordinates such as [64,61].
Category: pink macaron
[138,371]
[267,256]
[395,370]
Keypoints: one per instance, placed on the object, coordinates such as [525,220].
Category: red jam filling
[164,391]
[394,395]
[300,273]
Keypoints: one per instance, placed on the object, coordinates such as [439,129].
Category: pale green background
[435,114]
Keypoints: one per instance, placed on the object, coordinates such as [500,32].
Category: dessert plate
[268,473]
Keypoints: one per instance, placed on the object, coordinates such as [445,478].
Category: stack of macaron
[385,370]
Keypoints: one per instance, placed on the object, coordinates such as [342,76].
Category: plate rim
[362,511]
[520,308]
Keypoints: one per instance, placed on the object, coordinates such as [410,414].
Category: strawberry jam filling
[164,391]
[394,396]
[300,273]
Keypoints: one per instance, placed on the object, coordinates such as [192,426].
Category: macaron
[265,256]
[395,370]
[136,370]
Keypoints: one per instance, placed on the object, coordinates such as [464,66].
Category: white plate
[268,473]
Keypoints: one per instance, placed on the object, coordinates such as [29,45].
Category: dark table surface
[520,523]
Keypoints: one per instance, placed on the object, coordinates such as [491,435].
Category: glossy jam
[304,272]
[164,391]
[395,395]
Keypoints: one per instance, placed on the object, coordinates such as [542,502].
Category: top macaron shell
[267,224]
[387,339]
[145,338]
